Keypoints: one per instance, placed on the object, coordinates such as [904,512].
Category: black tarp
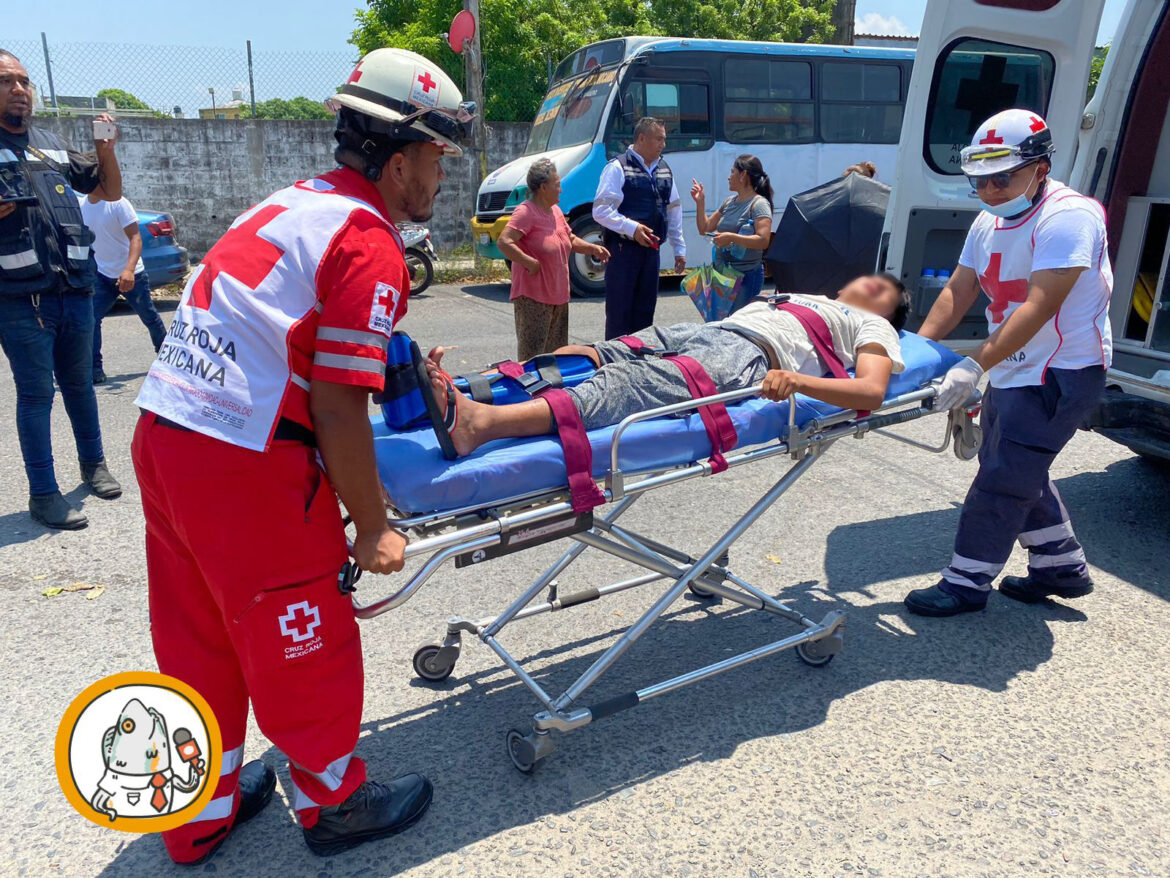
[828,235]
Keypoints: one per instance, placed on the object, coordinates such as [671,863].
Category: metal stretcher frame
[466,531]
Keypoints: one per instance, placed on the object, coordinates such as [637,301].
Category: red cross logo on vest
[426,81]
[1001,291]
[386,297]
[1037,124]
[991,138]
[241,253]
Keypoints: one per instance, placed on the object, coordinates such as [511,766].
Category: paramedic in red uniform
[1039,251]
[278,340]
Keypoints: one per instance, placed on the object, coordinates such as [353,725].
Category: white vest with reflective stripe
[224,367]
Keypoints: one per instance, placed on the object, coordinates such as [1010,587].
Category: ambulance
[976,57]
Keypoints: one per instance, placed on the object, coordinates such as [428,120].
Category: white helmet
[417,99]
[1006,141]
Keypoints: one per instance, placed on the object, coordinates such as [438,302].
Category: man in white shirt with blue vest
[638,205]
[1040,252]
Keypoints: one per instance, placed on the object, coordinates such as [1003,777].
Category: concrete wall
[206,172]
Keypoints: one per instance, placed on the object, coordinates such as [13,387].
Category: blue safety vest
[645,196]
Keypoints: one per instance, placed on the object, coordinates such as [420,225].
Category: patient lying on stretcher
[767,341]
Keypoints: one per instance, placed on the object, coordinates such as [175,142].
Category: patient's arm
[863,393]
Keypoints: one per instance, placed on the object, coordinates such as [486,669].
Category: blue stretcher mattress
[419,480]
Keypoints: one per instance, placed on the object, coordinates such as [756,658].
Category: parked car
[165,261]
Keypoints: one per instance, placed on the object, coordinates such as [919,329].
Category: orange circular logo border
[108,684]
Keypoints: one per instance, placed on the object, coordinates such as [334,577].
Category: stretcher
[512,495]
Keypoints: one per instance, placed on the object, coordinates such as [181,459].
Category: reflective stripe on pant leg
[187,628]
[1053,549]
[1012,478]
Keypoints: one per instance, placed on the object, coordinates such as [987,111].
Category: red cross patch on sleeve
[384,308]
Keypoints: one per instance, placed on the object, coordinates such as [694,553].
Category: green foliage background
[522,37]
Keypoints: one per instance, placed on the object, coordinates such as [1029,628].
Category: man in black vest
[46,285]
[637,204]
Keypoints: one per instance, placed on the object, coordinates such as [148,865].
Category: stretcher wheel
[425,664]
[521,750]
[968,450]
[700,592]
[814,661]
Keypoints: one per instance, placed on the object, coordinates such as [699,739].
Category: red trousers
[243,549]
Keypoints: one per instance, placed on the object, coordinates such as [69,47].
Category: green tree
[1095,70]
[298,108]
[522,37]
[123,100]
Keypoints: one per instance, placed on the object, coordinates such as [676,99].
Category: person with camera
[46,289]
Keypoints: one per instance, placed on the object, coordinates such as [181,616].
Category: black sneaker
[373,811]
[53,510]
[99,377]
[98,477]
[944,599]
[256,783]
[1030,589]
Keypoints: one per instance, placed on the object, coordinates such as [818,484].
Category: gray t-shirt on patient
[739,218]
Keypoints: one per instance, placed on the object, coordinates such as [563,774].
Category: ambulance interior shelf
[1145,307]
[934,240]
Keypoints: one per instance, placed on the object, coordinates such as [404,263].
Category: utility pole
[49,71]
[473,52]
[844,12]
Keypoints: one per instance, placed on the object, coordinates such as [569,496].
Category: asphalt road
[1024,740]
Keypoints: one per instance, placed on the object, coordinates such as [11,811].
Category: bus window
[570,114]
[975,79]
[767,101]
[683,107]
[861,103]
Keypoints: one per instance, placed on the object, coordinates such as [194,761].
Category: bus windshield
[570,113]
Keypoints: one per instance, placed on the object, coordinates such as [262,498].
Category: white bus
[977,58]
[808,111]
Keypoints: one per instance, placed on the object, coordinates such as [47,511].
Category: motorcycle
[420,257]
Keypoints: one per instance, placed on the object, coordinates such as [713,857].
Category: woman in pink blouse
[538,241]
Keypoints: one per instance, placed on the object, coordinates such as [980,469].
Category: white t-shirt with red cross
[1065,230]
[307,285]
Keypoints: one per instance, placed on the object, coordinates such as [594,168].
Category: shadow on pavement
[1126,536]
[458,738]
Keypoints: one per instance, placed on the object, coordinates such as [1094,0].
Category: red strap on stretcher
[583,491]
[822,339]
[720,430]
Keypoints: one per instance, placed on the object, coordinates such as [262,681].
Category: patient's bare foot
[463,433]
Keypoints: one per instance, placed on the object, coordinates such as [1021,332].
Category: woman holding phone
[742,224]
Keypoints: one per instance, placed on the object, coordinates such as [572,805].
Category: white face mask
[1015,206]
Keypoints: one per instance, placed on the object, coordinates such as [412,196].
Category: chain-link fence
[184,81]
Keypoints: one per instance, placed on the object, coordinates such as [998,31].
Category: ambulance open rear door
[975,58]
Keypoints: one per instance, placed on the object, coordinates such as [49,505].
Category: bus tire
[586,274]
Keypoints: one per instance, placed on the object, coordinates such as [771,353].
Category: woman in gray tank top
[742,224]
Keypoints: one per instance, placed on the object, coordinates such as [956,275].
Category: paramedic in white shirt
[117,250]
[637,204]
[1039,251]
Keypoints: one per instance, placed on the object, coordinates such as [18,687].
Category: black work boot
[53,510]
[1031,589]
[373,811]
[945,599]
[98,477]
[256,783]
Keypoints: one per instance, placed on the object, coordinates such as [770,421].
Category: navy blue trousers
[1012,497]
[631,287]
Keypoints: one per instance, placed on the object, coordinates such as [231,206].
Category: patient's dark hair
[902,312]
